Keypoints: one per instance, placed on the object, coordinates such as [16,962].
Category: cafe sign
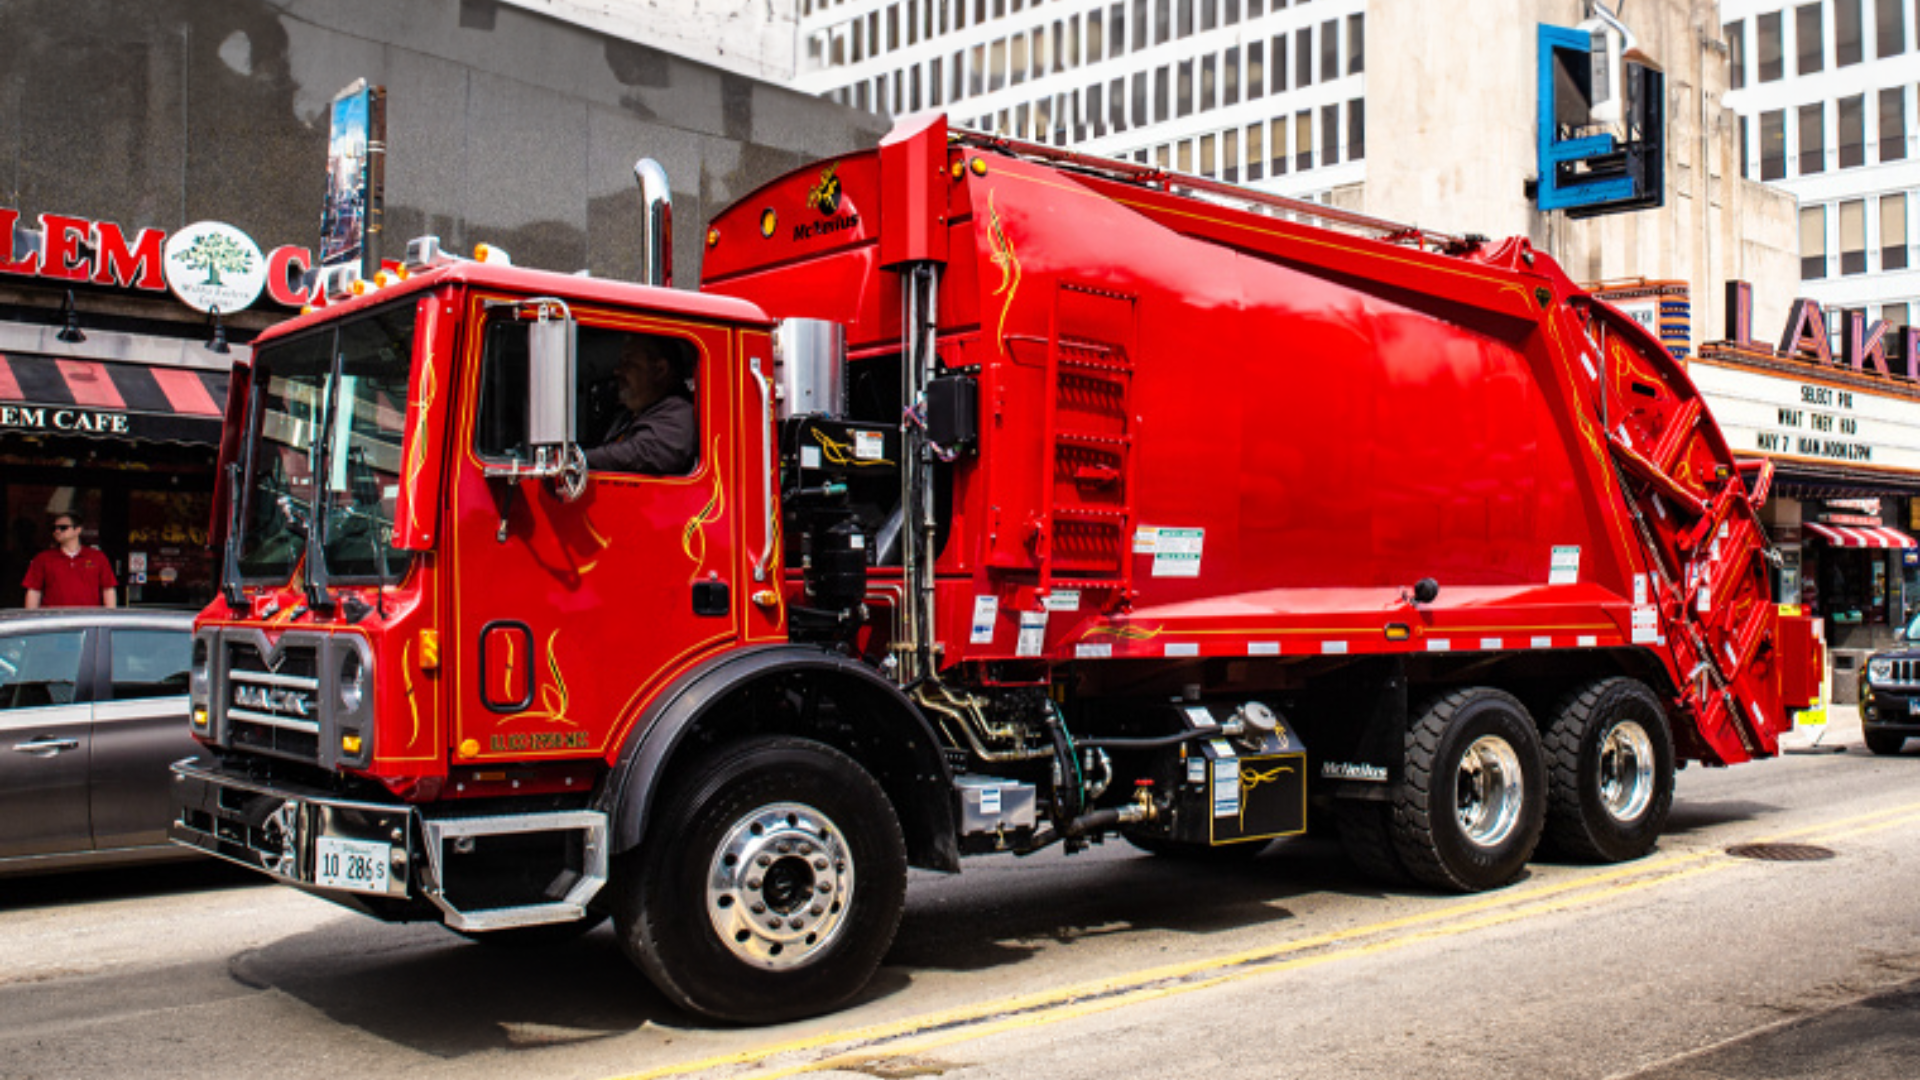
[206,265]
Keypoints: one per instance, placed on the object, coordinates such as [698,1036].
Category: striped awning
[1859,536]
[51,395]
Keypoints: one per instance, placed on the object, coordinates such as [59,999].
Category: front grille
[1905,673]
[274,707]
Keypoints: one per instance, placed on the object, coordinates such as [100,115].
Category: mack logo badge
[273,699]
[1346,770]
[825,195]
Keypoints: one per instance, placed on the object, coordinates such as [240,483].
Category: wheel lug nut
[773,924]
[806,849]
[758,909]
[764,860]
[795,923]
[825,888]
[816,911]
[753,883]
[783,847]
[819,864]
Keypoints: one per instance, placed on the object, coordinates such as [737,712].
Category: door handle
[46,747]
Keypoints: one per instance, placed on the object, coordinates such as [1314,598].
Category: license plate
[353,865]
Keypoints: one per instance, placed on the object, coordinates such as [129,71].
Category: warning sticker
[1033,633]
[869,445]
[1639,589]
[1646,625]
[1062,600]
[1226,788]
[1091,650]
[1565,568]
[1177,552]
[1145,539]
[986,612]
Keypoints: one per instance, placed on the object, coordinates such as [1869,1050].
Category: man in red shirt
[72,574]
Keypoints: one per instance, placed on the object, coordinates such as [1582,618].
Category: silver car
[93,708]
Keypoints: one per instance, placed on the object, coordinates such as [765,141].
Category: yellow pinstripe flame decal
[1006,259]
[693,538]
[553,699]
[417,457]
[413,704]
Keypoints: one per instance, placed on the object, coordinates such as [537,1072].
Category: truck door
[569,614]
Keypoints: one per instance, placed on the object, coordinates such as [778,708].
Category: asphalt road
[1692,963]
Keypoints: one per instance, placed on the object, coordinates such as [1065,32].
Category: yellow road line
[978,1020]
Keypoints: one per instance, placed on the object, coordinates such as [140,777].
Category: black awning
[51,395]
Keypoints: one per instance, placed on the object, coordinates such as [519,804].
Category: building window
[1162,93]
[1773,145]
[1813,242]
[1303,140]
[1810,48]
[1356,44]
[1018,59]
[1209,83]
[1230,155]
[1356,129]
[1186,23]
[1329,50]
[1848,48]
[1813,138]
[1853,131]
[1772,56]
[1853,236]
[1256,69]
[1097,35]
[1117,104]
[1140,99]
[1303,57]
[1209,14]
[1279,63]
[1889,29]
[1736,37]
[1184,156]
[1186,89]
[1746,167]
[1897,316]
[1329,134]
[997,66]
[1277,146]
[1230,77]
[1893,123]
[1256,156]
[1893,231]
[1206,156]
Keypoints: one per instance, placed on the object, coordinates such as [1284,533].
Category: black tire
[545,936]
[1202,854]
[1485,736]
[842,847]
[1884,743]
[1366,834]
[1610,771]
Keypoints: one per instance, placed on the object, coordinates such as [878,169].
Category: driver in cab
[654,432]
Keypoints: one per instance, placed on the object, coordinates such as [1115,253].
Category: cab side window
[633,399]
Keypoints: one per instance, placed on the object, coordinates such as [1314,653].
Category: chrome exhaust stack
[656,223]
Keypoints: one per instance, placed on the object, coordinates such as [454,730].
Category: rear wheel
[1469,811]
[1884,743]
[1611,771]
[771,885]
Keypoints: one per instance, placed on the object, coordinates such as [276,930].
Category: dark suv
[1890,693]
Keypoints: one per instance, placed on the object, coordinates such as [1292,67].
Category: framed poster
[356,156]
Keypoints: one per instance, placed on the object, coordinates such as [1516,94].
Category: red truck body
[1126,506]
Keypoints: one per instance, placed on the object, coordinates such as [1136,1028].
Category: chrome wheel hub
[779,886]
[1488,790]
[1626,770]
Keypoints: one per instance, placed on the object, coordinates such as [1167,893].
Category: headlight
[1880,669]
[202,663]
[353,683]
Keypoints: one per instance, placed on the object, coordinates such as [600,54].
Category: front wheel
[1884,743]
[770,884]
[1469,812]
[1612,771]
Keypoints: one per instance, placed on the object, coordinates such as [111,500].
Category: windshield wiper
[314,578]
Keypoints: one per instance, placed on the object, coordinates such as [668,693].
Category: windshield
[300,417]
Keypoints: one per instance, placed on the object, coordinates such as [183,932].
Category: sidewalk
[1841,731]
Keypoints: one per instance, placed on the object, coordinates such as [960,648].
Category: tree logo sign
[211,265]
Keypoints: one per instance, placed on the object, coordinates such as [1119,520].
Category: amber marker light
[199,716]
[470,748]
[1398,631]
[979,166]
[713,237]
[350,744]
[768,222]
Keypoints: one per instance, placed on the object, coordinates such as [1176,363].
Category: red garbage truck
[1016,499]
